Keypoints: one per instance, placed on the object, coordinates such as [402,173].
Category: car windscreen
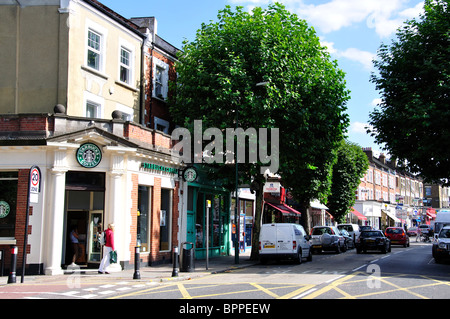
[445,233]
[321,231]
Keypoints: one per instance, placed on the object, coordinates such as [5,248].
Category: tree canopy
[268,69]
[414,82]
[350,167]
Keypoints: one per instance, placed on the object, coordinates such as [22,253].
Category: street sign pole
[34,187]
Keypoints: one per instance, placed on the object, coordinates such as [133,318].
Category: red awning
[284,208]
[358,214]
[431,212]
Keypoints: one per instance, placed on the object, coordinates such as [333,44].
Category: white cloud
[359,127]
[384,16]
[363,57]
[376,102]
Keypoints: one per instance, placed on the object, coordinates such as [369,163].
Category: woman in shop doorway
[109,246]
[75,246]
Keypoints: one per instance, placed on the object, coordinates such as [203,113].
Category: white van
[442,219]
[282,241]
[353,230]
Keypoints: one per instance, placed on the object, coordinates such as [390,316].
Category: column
[116,208]
[54,226]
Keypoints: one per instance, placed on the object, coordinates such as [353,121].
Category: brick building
[387,195]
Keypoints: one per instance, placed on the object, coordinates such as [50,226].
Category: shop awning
[431,212]
[390,215]
[358,214]
[284,209]
[318,205]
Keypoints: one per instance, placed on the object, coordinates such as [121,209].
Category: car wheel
[309,258]
[298,259]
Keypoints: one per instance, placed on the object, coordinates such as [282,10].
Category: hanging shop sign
[190,174]
[4,209]
[89,155]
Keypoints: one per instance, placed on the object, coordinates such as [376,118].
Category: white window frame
[127,112]
[127,46]
[163,123]
[102,32]
[96,100]
[126,66]
[164,68]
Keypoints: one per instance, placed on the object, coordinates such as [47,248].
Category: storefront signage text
[161,168]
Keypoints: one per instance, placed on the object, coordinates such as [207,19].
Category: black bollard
[137,261]
[175,262]
[12,272]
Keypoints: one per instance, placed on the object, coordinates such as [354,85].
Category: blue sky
[352,30]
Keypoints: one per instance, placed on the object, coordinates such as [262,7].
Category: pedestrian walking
[75,245]
[107,249]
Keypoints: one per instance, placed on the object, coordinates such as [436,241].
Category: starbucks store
[90,178]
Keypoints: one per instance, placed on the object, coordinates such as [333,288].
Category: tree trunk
[306,220]
[257,222]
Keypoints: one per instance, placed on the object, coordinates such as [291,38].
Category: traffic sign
[35,184]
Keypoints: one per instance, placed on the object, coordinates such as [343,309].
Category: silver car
[327,238]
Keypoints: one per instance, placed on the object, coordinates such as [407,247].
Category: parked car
[424,233]
[373,240]
[397,236]
[348,238]
[352,229]
[412,231]
[367,227]
[441,246]
[327,238]
[284,241]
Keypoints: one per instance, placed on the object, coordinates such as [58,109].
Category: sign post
[34,188]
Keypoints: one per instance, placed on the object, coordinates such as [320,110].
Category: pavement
[158,273]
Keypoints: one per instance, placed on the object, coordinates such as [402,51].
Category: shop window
[8,204]
[165,224]
[144,208]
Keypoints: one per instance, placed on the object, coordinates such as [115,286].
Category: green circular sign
[89,155]
[4,209]
[190,174]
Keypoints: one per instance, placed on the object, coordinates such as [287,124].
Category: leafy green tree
[268,69]
[350,167]
[414,81]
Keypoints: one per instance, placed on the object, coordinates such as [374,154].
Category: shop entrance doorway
[84,211]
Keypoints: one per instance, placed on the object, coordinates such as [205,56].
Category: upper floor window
[159,82]
[160,79]
[94,50]
[125,65]
[93,110]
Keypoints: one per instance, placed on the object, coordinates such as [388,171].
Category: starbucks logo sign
[4,209]
[89,155]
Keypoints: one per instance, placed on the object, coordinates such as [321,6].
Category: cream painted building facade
[69,52]
[67,66]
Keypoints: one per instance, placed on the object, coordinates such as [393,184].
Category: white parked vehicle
[352,229]
[442,219]
[284,241]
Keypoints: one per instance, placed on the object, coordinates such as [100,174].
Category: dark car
[362,228]
[373,240]
[397,236]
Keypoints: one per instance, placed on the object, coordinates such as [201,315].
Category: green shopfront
[203,220]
